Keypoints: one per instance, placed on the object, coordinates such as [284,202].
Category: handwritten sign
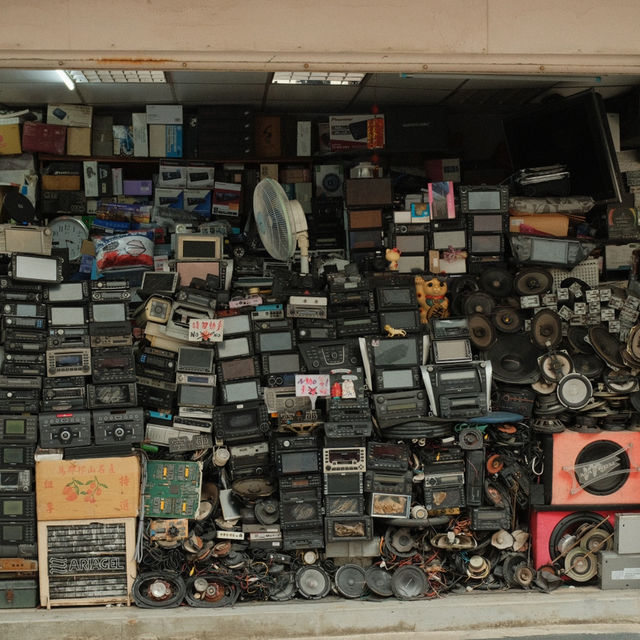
[206,330]
[313,386]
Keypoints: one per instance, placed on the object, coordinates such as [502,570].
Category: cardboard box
[172,198]
[269,171]
[105,182]
[122,140]
[172,176]
[46,138]
[268,141]
[90,168]
[199,201]
[200,177]
[441,201]
[88,488]
[226,199]
[554,223]
[348,133]
[102,136]
[60,183]
[137,187]
[10,137]
[116,181]
[78,141]
[303,146]
[140,135]
[70,115]
[295,174]
[165,141]
[164,114]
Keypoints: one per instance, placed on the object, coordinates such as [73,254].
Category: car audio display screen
[232,325]
[67,316]
[234,348]
[66,292]
[284,363]
[276,341]
[299,462]
[240,368]
[486,222]
[484,200]
[116,312]
[240,391]
[395,353]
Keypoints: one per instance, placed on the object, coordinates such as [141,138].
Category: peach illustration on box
[89,489]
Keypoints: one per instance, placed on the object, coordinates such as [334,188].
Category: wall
[481,36]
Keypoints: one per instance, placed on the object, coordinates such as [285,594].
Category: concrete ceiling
[20,87]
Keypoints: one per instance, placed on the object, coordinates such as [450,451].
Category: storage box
[295,174]
[554,223]
[137,187]
[199,201]
[165,141]
[122,140]
[226,199]
[269,171]
[172,198]
[365,219]
[88,488]
[46,138]
[18,594]
[303,139]
[9,137]
[86,562]
[172,176]
[91,179]
[70,115]
[61,183]
[200,177]
[268,140]
[164,114]
[140,135]
[348,133]
[102,136]
[78,141]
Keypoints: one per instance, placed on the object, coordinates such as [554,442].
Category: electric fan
[281,223]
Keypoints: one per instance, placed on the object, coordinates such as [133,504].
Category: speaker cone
[350,580]
[408,582]
[496,281]
[379,581]
[313,582]
[507,320]
[514,359]
[606,346]
[603,454]
[576,336]
[546,329]
[481,332]
[479,303]
[532,281]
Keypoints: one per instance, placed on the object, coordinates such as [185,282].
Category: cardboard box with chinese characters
[88,488]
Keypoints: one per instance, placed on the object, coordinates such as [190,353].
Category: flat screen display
[392,352]
[66,292]
[67,316]
[276,341]
[397,379]
[234,348]
[240,391]
[484,200]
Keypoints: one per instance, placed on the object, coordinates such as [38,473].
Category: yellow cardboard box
[10,139]
[88,488]
[78,141]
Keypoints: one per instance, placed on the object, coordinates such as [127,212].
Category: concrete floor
[513,614]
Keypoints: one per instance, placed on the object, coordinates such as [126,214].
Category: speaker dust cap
[481,332]
[496,281]
[546,329]
[532,281]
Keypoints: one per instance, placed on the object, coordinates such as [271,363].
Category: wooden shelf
[197,161]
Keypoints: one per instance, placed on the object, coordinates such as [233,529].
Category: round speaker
[496,281]
[331,182]
[570,524]
[481,332]
[588,365]
[507,320]
[596,540]
[313,582]
[408,582]
[620,381]
[555,366]
[546,329]
[267,511]
[284,588]
[350,580]
[580,565]
[633,342]
[479,302]
[574,391]
[379,581]
[253,488]
[606,346]
[514,359]
[459,288]
[18,208]
[617,467]
[576,337]
[532,281]
[470,438]
[543,387]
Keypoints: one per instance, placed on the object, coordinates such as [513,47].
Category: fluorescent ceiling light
[66,79]
[118,76]
[316,77]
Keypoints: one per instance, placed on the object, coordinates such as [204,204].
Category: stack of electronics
[342,417]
